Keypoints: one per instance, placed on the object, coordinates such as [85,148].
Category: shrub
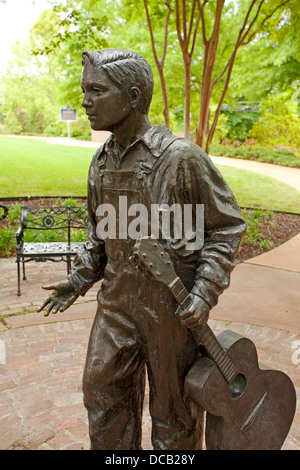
[11,124]
[278,124]
[7,241]
[14,213]
[254,219]
[239,124]
[257,153]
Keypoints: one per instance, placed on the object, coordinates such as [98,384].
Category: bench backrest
[54,218]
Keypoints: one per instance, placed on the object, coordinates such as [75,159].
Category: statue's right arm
[89,263]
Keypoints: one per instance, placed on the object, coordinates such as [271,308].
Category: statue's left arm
[224,229]
[193,179]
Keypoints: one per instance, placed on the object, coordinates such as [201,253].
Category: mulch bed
[285,225]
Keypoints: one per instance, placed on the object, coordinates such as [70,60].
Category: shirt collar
[156,139]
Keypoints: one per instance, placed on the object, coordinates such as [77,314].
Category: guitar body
[255,412]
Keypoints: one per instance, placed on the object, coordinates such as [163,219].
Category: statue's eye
[98,90]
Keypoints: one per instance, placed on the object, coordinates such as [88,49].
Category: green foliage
[7,241]
[222,129]
[77,26]
[69,202]
[14,213]
[271,62]
[36,86]
[279,123]
[257,153]
[45,74]
[239,124]
[11,124]
[254,219]
[81,129]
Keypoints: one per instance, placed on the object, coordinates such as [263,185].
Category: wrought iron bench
[62,219]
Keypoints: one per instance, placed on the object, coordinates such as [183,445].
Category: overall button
[139,175]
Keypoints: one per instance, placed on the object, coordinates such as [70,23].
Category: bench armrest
[19,236]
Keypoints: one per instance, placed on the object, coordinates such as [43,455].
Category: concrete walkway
[40,382]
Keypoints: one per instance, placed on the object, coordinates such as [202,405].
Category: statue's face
[106,104]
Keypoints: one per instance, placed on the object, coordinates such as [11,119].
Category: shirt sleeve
[90,261]
[193,179]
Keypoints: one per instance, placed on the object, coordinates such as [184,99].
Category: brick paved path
[40,383]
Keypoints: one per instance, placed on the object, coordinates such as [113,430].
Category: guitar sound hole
[237,387]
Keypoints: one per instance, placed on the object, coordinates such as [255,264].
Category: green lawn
[254,190]
[36,168]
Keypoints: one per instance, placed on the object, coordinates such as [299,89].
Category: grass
[254,190]
[37,168]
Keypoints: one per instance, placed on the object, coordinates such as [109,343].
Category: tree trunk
[187,98]
[165,97]
[185,37]
[211,47]
[218,110]
[204,103]
[160,63]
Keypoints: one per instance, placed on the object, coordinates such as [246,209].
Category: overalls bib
[136,328]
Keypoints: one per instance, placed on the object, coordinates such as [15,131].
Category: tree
[187,33]
[252,25]
[160,62]
[207,34]
[252,18]
[279,58]
[77,29]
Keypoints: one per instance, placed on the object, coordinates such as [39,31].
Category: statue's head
[126,69]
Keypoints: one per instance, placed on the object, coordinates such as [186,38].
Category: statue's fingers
[44,304]
[178,310]
[56,308]
[50,287]
[51,305]
[68,303]
[184,314]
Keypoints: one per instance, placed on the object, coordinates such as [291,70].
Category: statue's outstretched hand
[62,297]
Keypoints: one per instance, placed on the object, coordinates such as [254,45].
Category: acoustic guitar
[248,406]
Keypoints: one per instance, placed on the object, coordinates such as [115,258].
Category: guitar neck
[205,334]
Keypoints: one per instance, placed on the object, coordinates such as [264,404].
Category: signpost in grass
[68,115]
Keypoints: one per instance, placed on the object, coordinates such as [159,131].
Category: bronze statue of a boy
[138,324]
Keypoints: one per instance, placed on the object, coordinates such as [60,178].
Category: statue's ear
[135,96]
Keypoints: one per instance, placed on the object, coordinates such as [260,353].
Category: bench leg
[24,276]
[18,269]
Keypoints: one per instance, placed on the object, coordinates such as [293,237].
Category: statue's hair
[125,68]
